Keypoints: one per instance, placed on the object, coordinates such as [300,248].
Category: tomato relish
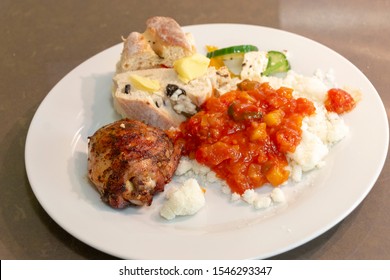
[339,101]
[244,135]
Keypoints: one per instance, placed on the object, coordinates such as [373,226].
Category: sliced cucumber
[277,63]
[231,52]
[234,64]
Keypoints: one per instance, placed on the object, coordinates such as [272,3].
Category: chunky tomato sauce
[339,101]
[244,135]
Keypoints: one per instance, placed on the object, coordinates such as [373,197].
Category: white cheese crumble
[187,199]
[253,65]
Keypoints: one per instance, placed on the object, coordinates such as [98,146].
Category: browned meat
[129,161]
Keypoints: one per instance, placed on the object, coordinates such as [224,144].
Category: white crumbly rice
[319,133]
[262,202]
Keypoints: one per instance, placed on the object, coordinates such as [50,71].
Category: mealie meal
[238,116]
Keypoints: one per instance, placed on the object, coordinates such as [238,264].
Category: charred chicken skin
[129,161]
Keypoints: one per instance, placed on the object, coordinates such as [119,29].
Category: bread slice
[174,100]
[151,55]
[165,107]
[160,45]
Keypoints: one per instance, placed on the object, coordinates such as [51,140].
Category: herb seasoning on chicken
[129,161]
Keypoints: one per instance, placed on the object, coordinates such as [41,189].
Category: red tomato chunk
[339,101]
[244,135]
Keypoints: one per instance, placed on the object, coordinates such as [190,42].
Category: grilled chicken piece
[129,161]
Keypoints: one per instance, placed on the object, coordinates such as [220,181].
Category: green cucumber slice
[277,63]
[232,51]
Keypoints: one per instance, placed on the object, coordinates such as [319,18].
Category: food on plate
[245,60]
[191,67]
[238,116]
[253,65]
[161,79]
[244,135]
[339,101]
[300,147]
[128,162]
[185,200]
[160,98]
[230,52]
[262,201]
[161,44]
[277,63]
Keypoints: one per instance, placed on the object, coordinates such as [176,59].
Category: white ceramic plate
[56,163]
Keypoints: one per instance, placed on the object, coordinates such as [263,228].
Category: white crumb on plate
[277,195]
[185,200]
[262,202]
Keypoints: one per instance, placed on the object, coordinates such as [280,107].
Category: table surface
[43,40]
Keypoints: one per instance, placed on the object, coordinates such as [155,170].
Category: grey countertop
[43,40]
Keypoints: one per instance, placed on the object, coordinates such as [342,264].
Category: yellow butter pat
[144,83]
[191,67]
